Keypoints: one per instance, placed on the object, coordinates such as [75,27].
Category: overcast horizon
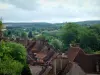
[51,11]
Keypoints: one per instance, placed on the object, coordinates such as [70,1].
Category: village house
[48,62]
[83,64]
[75,62]
[43,60]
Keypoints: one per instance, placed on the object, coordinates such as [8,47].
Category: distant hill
[48,25]
[92,22]
[35,24]
[26,23]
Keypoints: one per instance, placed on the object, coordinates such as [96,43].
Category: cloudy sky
[49,10]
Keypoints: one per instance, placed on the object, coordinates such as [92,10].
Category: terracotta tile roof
[41,55]
[42,50]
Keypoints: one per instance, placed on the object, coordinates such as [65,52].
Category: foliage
[89,39]
[12,58]
[40,37]
[97,52]
[95,28]
[88,50]
[10,67]
[87,36]
[1,25]
[30,35]
[57,44]
[69,33]
[24,35]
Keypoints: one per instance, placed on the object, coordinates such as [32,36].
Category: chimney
[75,45]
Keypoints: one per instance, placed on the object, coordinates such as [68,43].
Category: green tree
[12,58]
[40,37]
[24,35]
[89,39]
[30,35]
[10,67]
[57,44]
[69,32]
[33,28]
[95,28]
[1,27]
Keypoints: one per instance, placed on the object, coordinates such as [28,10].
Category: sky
[53,11]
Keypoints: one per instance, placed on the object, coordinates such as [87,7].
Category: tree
[57,44]
[10,67]
[69,32]
[87,36]
[12,58]
[24,35]
[5,34]
[33,28]
[30,35]
[1,27]
[95,28]
[88,39]
[40,37]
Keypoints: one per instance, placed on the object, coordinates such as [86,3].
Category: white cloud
[24,4]
[4,6]
[50,10]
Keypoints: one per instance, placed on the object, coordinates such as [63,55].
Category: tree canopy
[1,27]
[87,36]
[12,58]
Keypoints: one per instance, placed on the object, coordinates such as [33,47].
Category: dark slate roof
[73,52]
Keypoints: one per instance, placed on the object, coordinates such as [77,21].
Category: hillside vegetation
[60,35]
